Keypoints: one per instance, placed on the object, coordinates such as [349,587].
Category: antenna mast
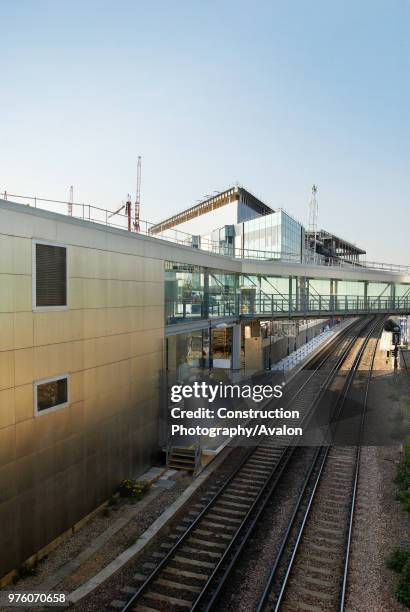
[313,217]
[138,197]
[70,201]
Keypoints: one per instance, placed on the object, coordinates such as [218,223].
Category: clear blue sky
[275,95]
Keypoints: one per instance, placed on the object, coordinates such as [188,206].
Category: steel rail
[356,478]
[316,461]
[198,604]
[154,574]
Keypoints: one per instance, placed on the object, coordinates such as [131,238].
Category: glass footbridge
[212,282]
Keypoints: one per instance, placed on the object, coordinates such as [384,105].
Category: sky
[273,95]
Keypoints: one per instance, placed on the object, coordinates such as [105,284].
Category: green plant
[134,489]
[403,479]
[113,500]
[402,590]
[398,558]
[27,569]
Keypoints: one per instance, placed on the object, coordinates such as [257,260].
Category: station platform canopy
[335,247]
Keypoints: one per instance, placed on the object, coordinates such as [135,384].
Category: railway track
[311,568]
[193,565]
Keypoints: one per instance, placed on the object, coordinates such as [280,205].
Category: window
[50,394]
[50,276]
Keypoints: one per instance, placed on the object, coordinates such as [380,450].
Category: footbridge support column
[236,346]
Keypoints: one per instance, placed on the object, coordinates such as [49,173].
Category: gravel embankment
[111,589]
[379,526]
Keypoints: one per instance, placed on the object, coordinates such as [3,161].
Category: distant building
[236,223]
[333,247]
[234,205]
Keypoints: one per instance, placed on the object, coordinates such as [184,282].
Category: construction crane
[138,197]
[127,206]
[71,200]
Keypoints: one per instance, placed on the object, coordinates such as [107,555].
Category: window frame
[34,276]
[43,381]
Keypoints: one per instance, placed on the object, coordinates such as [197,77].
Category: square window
[50,394]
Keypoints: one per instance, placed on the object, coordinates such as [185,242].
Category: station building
[236,223]
[93,318]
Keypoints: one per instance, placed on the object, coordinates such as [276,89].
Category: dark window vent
[51,275]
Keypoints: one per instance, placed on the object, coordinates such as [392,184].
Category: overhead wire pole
[138,197]
[313,217]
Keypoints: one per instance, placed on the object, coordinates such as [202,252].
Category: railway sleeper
[246,485]
[321,570]
[236,496]
[139,577]
[128,590]
[331,534]
[206,553]
[259,461]
[335,496]
[176,585]
[174,571]
[220,507]
[321,548]
[329,583]
[117,604]
[256,473]
[342,462]
[173,601]
[314,593]
[261,468]
[331,543]
[207,543]
[233,504]
[331,514]
[323,564]
[205,533]
[188,561]
[333,506]
[319,584]
[302,605]
[215,515]
[218,526]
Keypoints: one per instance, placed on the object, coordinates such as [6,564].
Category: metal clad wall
[57,467]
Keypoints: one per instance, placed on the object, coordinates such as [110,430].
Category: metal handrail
[241,306]
[96,214]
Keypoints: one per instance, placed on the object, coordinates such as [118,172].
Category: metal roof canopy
[221,199]
[324,237]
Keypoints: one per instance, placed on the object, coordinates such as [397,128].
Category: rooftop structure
[247,224]
[333,247]
[239,205]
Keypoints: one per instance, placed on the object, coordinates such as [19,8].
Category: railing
[120,219]
[190,310]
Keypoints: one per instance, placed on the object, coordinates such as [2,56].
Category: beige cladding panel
[15,255]
[23,330]
[15,294]
[110,341]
